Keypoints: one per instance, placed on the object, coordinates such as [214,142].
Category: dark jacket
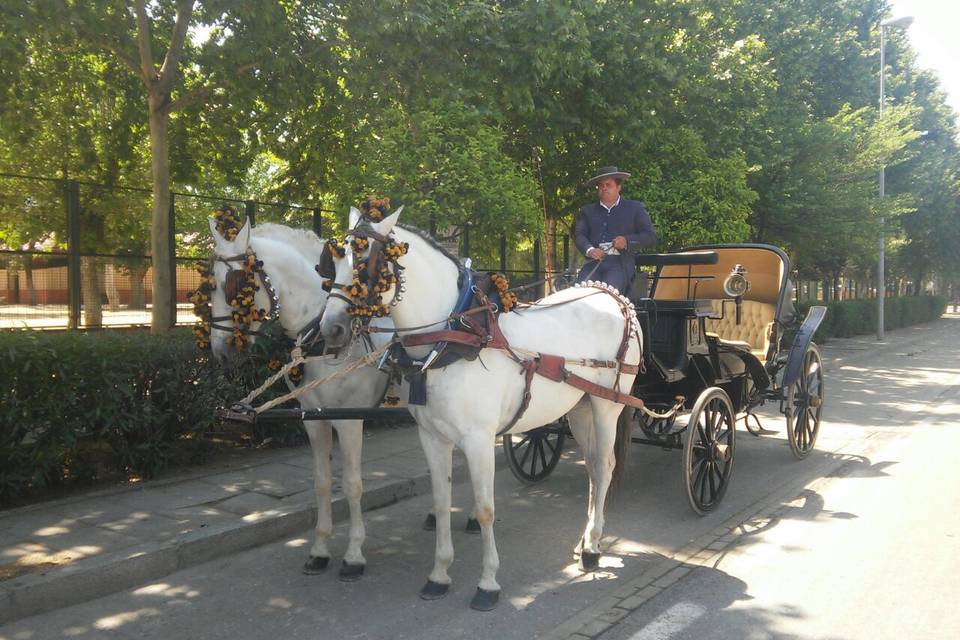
[628,219]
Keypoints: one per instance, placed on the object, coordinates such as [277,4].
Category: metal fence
[77,253]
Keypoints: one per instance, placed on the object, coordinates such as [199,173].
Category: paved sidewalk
[88,546]
[80,548]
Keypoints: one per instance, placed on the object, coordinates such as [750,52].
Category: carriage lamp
[735,286]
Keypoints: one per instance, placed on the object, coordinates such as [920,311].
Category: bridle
[232,285]
[372,276]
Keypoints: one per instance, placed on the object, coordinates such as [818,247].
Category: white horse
[289,257]
[470,402]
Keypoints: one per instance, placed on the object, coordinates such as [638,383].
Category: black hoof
[434,590]
[315,565]
[589,561]
[430,524]
[351,572]
[473,525]
[484,600]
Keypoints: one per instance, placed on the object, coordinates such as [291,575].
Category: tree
[250,45]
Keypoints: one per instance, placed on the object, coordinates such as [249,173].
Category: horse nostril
[337,332]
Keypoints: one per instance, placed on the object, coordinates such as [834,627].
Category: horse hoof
[484,600]
[351,572]
[434,590]
[315,565]
[430,524]
[589,561]
[473,525]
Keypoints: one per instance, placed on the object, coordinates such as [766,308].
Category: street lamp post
[901,23]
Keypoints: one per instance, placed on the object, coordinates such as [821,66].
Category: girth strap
[552,368]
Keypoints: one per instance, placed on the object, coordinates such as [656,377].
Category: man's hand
[619,243]
[596,254]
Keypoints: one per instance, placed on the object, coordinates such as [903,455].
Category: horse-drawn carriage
[716,337]
[722,338]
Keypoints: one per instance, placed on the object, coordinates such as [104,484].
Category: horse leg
[321,443]
[439,453]
[480,452]
[603,460]
[581,420]
[350,433]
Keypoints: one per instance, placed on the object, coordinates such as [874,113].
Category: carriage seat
[753,332]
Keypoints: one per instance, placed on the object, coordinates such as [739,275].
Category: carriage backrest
[765,267]
[766,302]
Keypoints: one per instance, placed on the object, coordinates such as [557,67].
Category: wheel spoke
[713,486]
[705,483]
[553,449]
[526,452]
[701,469]
[543,454]
[701,431]
[533,459]
[715,417]
[721,474]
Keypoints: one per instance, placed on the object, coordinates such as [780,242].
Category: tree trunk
[91,292]
[28,276]
[110,276]
[549,253]
[163,316]
[138,298]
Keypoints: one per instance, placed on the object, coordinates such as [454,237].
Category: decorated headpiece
[379,271]
[375,209]
[228,222]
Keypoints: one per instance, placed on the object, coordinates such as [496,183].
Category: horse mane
[430,240]
[306,242]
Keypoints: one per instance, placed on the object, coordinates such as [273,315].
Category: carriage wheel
[708,450]
[804,404]
[533,455]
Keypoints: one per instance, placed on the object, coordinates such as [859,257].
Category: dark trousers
[610,270]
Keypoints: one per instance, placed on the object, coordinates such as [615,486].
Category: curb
[101,575]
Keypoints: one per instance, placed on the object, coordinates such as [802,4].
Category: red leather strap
[594,389]
[549,366]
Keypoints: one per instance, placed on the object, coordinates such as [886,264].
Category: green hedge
[79,407]
[848,318]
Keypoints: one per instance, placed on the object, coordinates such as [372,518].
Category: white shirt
[611,206]
[608,213]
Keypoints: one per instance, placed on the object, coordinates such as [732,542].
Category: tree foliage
[739,120]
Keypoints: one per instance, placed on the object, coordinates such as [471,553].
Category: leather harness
[551,367]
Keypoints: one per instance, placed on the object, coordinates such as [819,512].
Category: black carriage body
[685,353]
[714,322]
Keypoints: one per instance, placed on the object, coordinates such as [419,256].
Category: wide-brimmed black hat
[607,172]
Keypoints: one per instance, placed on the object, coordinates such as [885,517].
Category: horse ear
[355,216]
[213,230]
[386,225]
[243,237]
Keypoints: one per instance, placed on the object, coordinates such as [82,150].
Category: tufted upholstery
[754,328]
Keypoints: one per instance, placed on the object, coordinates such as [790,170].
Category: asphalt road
[866,542]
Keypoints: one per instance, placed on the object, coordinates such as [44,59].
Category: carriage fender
[800,344]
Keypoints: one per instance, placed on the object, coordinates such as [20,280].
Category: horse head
[364,284]
[245,297]
[239,302]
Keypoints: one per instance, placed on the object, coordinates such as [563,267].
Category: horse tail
[621,446]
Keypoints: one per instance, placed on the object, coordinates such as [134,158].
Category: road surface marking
[673,620]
